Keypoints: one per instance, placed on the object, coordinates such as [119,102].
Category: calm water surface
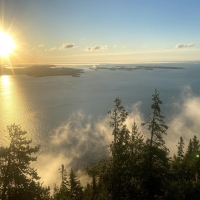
[42,104]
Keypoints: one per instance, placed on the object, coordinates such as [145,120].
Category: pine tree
[156,166]
[192,159]
[119,150]
[134,164]
[185,181]
[75,188]
[178,162]
[180,153]
[63,172]
[18,180]
[118,117]
[136,142]
[62,192]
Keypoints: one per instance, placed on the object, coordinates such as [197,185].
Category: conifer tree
[178,162]
[136,142]
[70,188]
[118,148]
[156,151]
[102,179]
[180,153]
[75,188]
[62,192]
[192,159]
[185,181]
[118,117]
[18,180]
[135,145]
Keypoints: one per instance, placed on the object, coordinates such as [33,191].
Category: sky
[93,31]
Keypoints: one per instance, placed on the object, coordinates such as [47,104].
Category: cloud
[185,122]
[84,140]
[51,49]
[76,144]
[66,46]
[41,45]
[180,46]
[96,48]
[190,45]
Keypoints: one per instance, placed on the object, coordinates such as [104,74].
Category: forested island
[124,68]
[139,167]
[40,71]
[52,70]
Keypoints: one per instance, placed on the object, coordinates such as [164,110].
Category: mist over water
[68,117]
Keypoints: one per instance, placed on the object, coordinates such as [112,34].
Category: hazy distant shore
[53,70]
[41,70]
[135,68]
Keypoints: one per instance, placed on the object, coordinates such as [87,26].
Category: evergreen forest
[139,167]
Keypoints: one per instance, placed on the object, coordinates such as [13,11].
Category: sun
[6,44]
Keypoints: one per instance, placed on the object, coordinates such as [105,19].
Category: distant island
[135,68]
[40,71]
[52,70]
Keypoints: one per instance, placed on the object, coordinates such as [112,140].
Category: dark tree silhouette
[156,163]
[18,180]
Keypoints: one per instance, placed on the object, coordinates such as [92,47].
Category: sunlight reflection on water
[15,107]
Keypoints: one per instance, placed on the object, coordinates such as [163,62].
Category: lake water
[40,105]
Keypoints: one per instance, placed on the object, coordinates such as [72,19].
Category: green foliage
[119,150]
[186,172]
[156,164]
[156,124]
[101,175]
[118,177]
[180,153]
[17,179]
[70,188]
[75,187]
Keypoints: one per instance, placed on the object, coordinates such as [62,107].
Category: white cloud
[185,122]
[96,48]
[66,46]
[180,46]
[53,48]
[76,144]
[190,45]
[41,45]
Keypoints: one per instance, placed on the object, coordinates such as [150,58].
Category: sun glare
[6,44]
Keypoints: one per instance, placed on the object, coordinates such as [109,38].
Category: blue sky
[93,31]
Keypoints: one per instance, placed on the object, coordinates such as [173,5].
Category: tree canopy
[18,180]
